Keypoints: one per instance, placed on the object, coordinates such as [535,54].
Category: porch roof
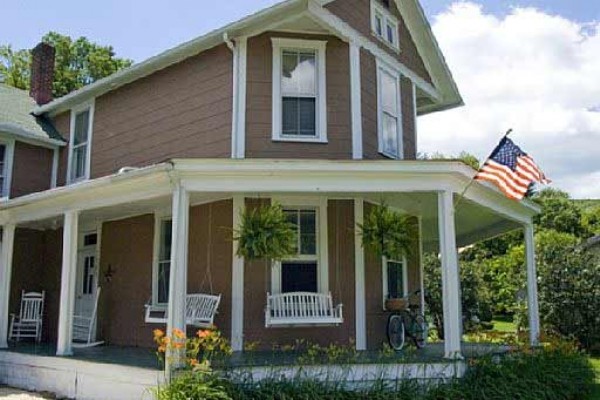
[412,186]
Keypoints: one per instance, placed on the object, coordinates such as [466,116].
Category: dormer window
[384,25]
[299,103]
[80,143]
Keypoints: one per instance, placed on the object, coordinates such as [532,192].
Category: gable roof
[16,118]
[444,88]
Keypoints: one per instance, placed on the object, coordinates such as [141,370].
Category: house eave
[30,137]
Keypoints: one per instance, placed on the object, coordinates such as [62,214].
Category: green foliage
[591,220]
[476,304]
[14,67]
[198,385]
[569,288]
[550,374]
[78,62]
[266,234]
[559,213]
[464,156]
[388,233]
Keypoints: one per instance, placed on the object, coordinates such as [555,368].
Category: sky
[530,65]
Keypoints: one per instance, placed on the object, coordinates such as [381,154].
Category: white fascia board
[345,32]
[28,137]
[172,56]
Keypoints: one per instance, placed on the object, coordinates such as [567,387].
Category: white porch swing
[200,308]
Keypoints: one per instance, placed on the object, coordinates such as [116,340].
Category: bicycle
[405,321]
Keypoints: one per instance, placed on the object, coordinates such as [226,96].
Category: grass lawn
[596,391]
[504,325]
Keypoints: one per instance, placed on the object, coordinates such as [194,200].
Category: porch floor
[146,358]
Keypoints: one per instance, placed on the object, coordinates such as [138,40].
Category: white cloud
[534,72]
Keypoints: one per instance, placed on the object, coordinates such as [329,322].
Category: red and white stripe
[513,184]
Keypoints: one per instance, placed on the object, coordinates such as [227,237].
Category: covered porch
[194,192]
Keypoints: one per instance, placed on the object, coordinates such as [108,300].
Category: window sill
[390,155]
[299,140]
[385,42]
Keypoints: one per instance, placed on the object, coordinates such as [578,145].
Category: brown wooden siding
[32,169]
[259,102]
[36,267]
[376,315]
[368,73]
[181,111]
[357,13]
[127,247]
[257,283]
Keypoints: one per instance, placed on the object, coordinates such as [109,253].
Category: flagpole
[462,195]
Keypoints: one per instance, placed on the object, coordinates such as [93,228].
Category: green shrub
[548,374]
[196,385]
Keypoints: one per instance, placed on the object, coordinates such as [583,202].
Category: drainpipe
[234,119]
[228,41]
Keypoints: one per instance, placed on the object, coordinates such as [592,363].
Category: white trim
[159,217]
[237,282]
[280,44]
[355,101]
[179,261]
[421,270]
[7,243]
[415,115]
[68,281]
[532,290]
[238,126]
[386,19]
[9,156]
[90,107]
[450,276]
[359,274]
[320,204]
[345,31]
[384,277]
[383,68]
[54,175]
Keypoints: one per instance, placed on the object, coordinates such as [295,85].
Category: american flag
[511,169]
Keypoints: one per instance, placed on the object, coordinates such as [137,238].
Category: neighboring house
[312,104]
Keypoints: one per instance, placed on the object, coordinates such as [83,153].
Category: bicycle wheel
[419,331]
[395,332]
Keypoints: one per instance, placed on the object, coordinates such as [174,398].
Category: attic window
[383,24]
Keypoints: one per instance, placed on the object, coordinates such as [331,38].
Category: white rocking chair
[84,327]
[29,322]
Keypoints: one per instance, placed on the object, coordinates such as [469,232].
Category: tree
[559,213]
[464,156]
[78,63]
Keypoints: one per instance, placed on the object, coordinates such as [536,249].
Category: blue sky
[139,29]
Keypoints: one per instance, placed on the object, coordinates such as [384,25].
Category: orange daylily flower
[203,333]
[158,333]
[178,333]
[162,349]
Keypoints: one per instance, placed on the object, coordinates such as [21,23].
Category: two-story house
[136,182]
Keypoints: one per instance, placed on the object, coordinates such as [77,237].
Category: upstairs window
[389,112]
[384,25]
[80,144]
[299,108]
[6,155]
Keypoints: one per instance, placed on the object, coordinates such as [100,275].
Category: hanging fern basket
[388,233]
[265,233]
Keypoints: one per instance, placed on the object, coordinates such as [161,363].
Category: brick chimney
[42,73]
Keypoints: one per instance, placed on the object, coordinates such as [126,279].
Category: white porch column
[450,276]
[67,284]
[355,101]
[179,257]
[8,240]
[532,292]
[237,283]
[359,276]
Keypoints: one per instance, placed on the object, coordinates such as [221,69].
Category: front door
[87,276]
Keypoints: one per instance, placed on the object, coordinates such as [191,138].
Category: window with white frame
[300,272]
[384,25]
[389,115]
[79,145]
[162,263]
[6,155]
[395,279]
[299,94]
